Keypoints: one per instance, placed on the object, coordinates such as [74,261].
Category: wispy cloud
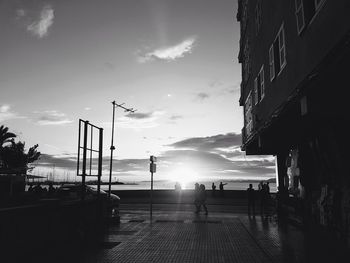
[52,117]
[175,117]
[169,53]
[210,143]
[7,114]
[37,22]
[139,120]
[41,26]
[140,115]
[202,96]
[215,83]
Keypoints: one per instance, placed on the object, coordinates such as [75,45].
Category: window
[256,92]
[318,4]
[299,14]
[262,82]
[259,86]
[272,63]
[258,16]
[248,117]
[305,11]
[246,61]
[277,54]
[282,47]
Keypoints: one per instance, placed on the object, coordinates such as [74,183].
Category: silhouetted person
[260,185]
[177,186]
[203,198]
[221,186]
[30,189]
[213,189]
[281,196]
[263,198]
[197,198]
[51,190]
[268,187]
[251,199]
[38,190]
[268,196]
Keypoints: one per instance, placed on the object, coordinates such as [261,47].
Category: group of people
[221,187]
[264,196]
[200,198]
[200,195]
[39,190]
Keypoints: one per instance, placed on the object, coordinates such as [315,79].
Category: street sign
[153,159]
[152,167]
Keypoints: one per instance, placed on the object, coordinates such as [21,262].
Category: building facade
[295,57]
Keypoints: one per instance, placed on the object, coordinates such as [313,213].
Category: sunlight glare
[184,176]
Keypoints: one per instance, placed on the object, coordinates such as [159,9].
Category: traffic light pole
[152,169]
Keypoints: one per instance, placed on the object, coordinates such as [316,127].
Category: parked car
[73,191]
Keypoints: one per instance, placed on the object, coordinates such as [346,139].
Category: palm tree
[5,136]
[15,159]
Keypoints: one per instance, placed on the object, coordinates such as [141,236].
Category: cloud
[220,154]
[234,88]
[210,143]
[52,118]
[20,13]
[109,65]
[37,22]
[139,120]
[175,117]
[139,115]
[215,84]
[202,155]
[7,114]
[202,96]
[170,53]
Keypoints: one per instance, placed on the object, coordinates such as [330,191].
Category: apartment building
[295,57]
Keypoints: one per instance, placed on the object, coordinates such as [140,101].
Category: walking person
[263,198]
[221,186]
[268,196]
[197,198]
[213,189]
[251,199]
[203,198]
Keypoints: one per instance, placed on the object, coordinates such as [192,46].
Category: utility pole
[112,146]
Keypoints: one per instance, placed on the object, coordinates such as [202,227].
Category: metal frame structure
[85,148]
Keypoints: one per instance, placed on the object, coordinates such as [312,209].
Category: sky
[173,61]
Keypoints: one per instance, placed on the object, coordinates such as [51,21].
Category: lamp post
[112,148]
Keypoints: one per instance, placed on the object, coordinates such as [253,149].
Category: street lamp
[112,148]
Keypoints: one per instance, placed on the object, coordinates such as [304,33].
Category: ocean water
[169,185]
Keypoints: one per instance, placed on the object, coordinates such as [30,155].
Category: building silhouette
[295,75]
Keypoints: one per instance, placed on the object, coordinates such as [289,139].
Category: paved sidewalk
[182,236]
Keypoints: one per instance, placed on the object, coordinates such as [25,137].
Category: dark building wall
[304,52]
[303,117]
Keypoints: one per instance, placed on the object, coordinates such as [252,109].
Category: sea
[169,185]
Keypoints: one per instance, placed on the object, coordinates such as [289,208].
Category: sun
[185,176]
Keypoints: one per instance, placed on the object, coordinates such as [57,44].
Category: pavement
[177,234]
